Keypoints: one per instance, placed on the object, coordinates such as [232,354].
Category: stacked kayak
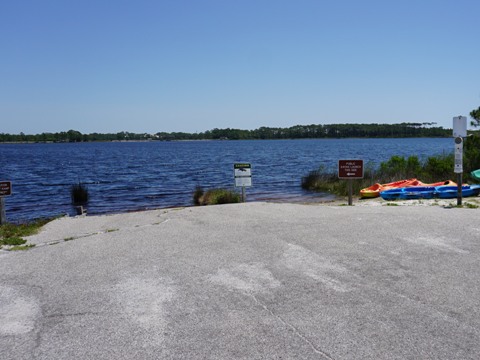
[450,192]
[429,192]
[375,190]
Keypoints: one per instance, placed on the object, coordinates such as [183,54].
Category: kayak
[429,192]
[450,192]
[476,174]
[409,193]
[375,190]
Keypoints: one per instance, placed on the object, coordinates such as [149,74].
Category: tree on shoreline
[475,114]
[313,131]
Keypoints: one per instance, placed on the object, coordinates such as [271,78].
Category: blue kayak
[450,192]
[409,193]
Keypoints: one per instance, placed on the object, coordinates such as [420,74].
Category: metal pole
[243,194]
[350,192]
[3,213]
[459,189]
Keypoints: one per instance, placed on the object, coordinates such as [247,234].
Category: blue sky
[186,65]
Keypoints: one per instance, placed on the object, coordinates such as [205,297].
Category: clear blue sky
[194,65]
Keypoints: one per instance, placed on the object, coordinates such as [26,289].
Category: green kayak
[476,174]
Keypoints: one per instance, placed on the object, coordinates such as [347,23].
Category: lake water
[131,176]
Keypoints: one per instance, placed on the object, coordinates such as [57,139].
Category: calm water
[147,175]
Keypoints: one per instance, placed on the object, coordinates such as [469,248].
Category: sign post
[5,190]
[243,177]
[459,133]
[350,170]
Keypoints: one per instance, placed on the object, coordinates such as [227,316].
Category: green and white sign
[243,174]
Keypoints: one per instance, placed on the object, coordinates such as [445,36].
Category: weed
[391,204]
[79,194]
[112,230]
[470,205]
[69,238]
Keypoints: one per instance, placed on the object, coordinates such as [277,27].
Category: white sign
[460,126]
[243,181]
[243,174]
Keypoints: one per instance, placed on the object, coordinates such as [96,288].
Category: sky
[195,65]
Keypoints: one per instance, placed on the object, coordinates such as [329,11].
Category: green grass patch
[22,247]
[470,205]
[215,197]
[12,234]
[12,241]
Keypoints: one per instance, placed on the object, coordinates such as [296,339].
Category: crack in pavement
[293,328]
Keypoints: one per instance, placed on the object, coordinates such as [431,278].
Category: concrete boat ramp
[247,281]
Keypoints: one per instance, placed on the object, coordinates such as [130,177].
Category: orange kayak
[374,190]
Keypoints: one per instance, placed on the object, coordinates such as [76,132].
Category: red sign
[5,188]
[350,169]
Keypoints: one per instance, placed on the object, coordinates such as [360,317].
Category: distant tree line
[294,132]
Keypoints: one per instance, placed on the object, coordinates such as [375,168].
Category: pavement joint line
[293,328]
[58,241]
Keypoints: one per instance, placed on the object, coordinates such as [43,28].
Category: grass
[215,196]
[12,234]
[12,241]
[22,247]
[470,205]
[327,181]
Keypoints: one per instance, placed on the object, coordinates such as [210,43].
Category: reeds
[79,194]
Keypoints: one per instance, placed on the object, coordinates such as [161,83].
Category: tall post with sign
[459,133]
[243,176]
[5,190]
[350,170]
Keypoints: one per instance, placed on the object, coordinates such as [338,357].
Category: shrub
[400,168]
[79,194]
[438,168]
[215,197]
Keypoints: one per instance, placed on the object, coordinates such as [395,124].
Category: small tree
[475,114]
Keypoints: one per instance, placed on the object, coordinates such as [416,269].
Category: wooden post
[3,212]
[350,192]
